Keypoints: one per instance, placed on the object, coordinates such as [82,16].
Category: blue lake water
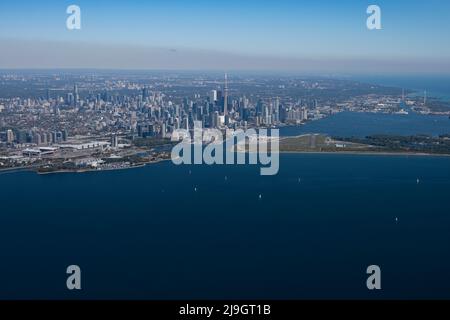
[437,86]
[146,232]
[348,124]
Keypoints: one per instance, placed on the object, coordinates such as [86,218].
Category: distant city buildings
[37,137]
[107,107]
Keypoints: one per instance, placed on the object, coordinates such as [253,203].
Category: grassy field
[321,143]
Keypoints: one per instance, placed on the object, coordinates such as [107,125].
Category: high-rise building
[145,93]
[304,114]
[9,136]
[37,138]
[163,130]
[219,96]
[69,98]
[64,135]
[184,123]
[215,123]
[276,104]
[54,137]
[213,96]
[76,97]
[114,141]
[44,138]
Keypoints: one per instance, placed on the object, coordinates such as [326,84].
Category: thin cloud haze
[53,54]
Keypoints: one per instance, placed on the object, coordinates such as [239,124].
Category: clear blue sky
[315,29]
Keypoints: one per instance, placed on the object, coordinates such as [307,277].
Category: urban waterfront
[182,232]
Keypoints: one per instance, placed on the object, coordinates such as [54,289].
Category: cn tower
[225,97]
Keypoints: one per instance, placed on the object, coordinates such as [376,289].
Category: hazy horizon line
[37,54]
